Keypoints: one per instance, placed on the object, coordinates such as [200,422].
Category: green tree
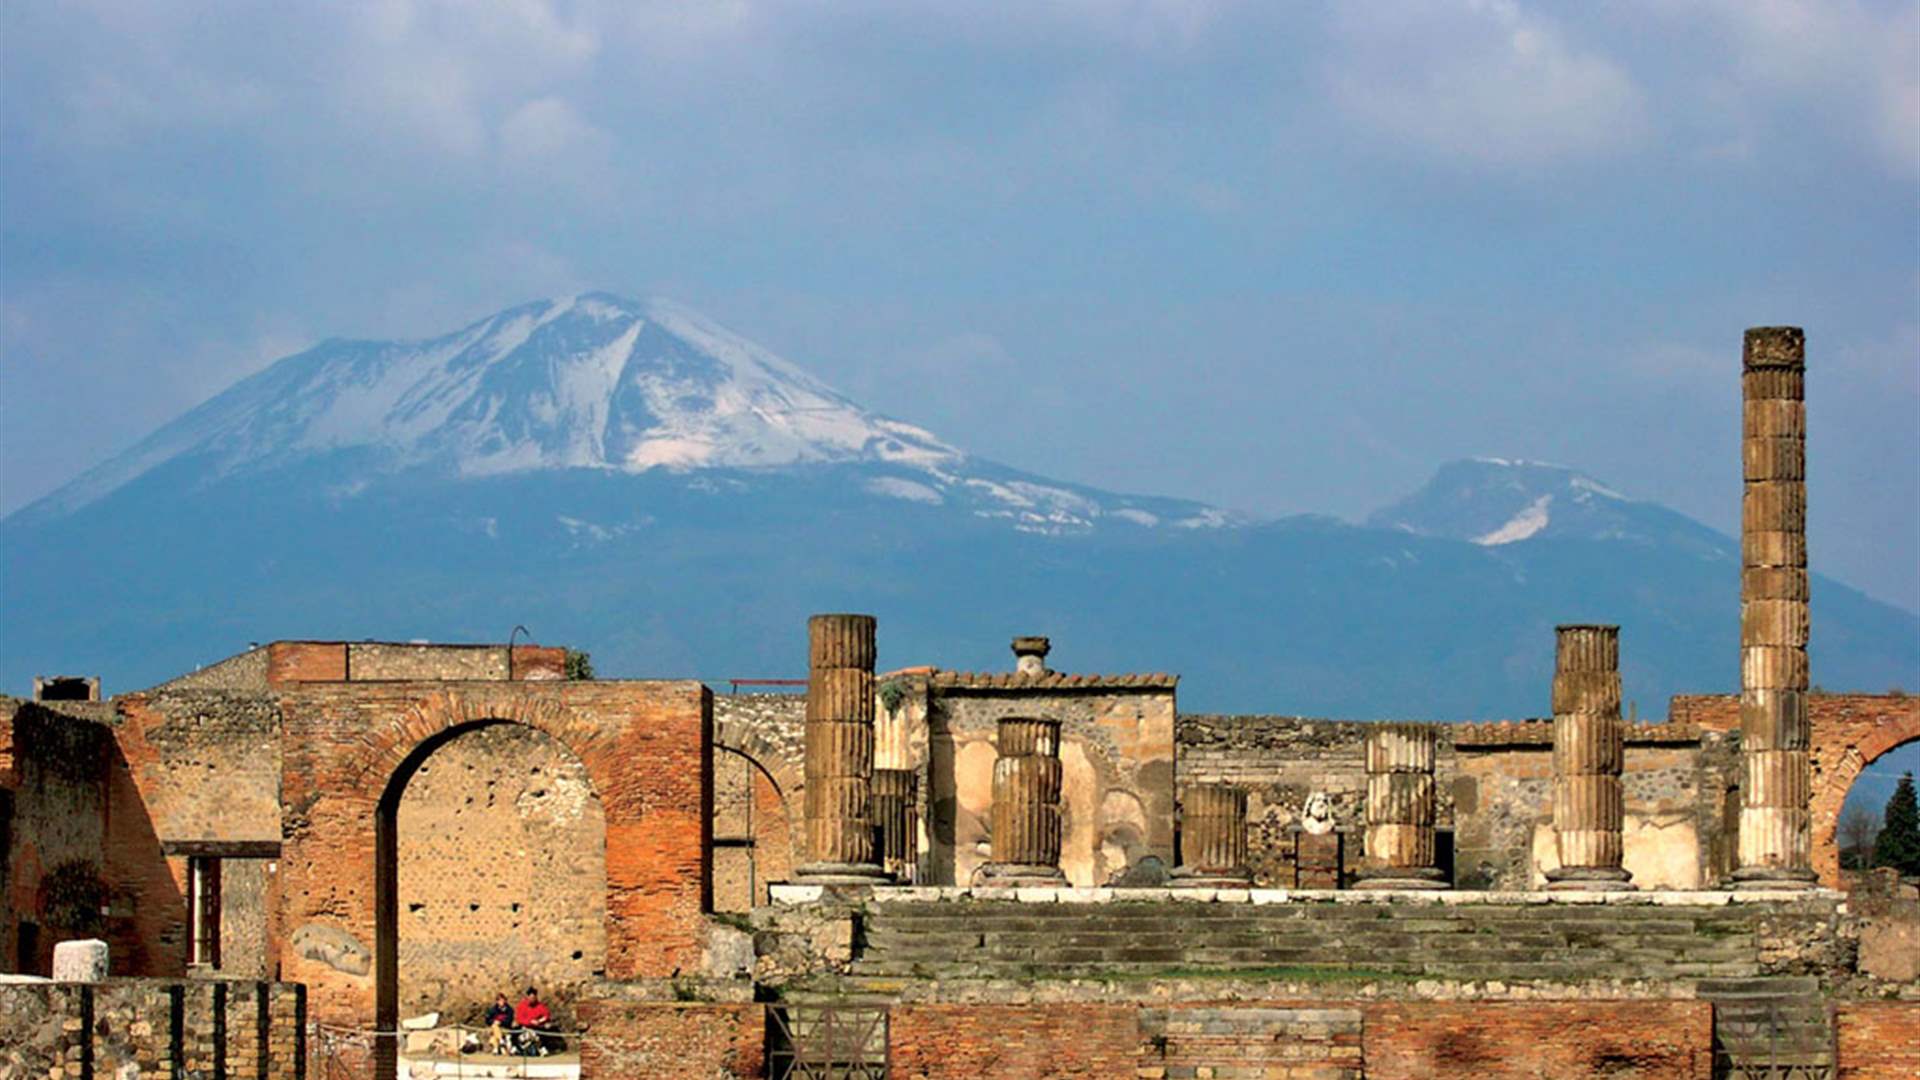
[1898,844]
[579,664]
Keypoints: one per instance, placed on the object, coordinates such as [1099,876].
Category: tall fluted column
[1400,809]
[1213,837]
[1588,754]
[1775,821]
[839,750]
[1026,805]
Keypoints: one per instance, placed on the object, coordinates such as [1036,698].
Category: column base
[1402,877]
[1020,875]
[1188,878]
[832,873]
[1589,879]
[1773,879]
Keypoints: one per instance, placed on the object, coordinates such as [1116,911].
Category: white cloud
[1857,65]
[1481,83]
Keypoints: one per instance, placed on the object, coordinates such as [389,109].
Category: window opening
[203,911]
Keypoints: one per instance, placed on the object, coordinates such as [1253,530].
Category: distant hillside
[631,479]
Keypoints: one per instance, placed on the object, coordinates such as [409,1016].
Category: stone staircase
[1770,1029]
[1508,943]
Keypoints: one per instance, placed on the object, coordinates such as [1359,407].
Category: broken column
[1588,753]
[1030,655]
[1775,821]
[1400,809]
[1026,805]
[1213,837]
[839,751]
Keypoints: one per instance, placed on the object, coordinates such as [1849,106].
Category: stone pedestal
[1588,754]
[1026,805]
[83,961]
[1400,809]
[1318,860]
[839,752]
[1213,838]
[1775,819]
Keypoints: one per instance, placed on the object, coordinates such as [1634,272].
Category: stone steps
[988,939]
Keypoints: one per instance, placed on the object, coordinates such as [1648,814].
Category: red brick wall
[644,746]
[55,802]
[672,1039]
[1879,1040]
[1561,1040]
[966,1042]
[305,661]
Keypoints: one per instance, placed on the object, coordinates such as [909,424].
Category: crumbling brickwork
[963,1042]
[53,803]
[1654,1040]
[153,1027]
[645,1040]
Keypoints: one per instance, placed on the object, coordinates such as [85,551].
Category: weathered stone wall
[502,874]
[1281,760]
[1675,782]
[645,747]
[1117,763]
[752,833]
[153,1027]
[292,662]
[655,1038]
[53,803]
[195,771]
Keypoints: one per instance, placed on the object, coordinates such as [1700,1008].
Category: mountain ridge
[327,496]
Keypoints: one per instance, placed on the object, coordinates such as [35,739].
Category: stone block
[80,961]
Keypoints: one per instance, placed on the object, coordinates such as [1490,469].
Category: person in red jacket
[532,1016]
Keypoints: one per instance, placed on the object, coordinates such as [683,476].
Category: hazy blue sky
[1284,257]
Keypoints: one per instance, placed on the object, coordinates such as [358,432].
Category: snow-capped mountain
[592,382]
[631,479]
[1493,502]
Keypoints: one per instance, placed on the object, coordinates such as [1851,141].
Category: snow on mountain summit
[1494,501]
[588,382]
[585,382]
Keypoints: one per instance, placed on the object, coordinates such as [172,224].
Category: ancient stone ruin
[325,859]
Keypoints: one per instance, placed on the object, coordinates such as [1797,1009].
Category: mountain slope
[629,479]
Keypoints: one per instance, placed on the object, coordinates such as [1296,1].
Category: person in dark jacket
[499,1022]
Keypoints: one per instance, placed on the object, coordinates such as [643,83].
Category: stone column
[1775,821]
[1588,753]
[839,751]
[893,822]
[1213,837]
[1400,809]
[1026,805]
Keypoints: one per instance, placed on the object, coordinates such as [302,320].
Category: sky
[1281,257]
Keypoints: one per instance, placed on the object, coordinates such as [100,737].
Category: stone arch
[1848,735]
[754,831]
[457,717]
[646,747]
[784,766]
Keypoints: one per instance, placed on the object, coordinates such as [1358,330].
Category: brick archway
[349,748]
[1850,731]
[780,764]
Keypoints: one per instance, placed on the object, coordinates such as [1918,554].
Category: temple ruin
[322,859]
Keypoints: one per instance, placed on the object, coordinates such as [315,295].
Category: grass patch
[1308,973]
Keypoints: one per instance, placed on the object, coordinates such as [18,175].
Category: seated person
[499,1022]
[532,1016]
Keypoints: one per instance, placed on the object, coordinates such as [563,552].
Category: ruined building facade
[932,873]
